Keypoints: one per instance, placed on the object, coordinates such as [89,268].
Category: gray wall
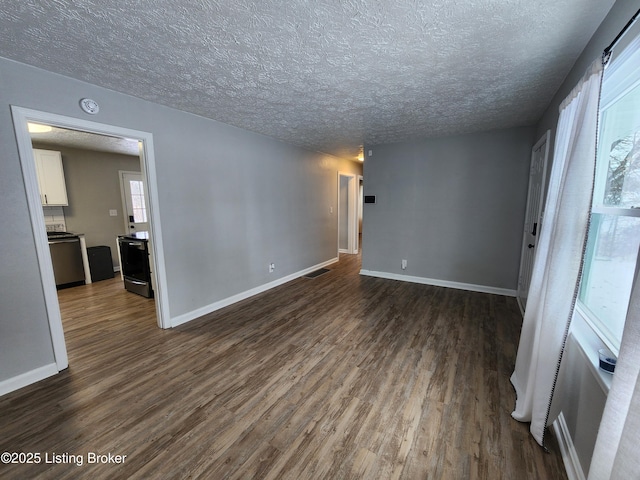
[25,341]
[582,397]
[452,206]
[580,389]
[230,203]
[93,188]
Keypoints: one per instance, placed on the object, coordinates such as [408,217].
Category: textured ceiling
[61,137]
[328,75]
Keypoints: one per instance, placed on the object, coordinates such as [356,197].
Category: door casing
[533,217]
[351,212]
[20,118]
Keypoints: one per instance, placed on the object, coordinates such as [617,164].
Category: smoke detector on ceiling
[89,106]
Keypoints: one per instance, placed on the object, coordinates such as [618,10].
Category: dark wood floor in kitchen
[341,376]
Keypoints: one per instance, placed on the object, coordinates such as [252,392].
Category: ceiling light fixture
[38,128]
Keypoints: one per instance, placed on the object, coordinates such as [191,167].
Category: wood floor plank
[337,377]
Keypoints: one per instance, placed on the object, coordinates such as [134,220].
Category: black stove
[134,264]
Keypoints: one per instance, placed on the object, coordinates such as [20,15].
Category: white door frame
[352,217]
[359,209]
[20,118]
[544,140]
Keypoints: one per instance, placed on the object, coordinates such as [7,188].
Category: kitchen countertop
[137,236]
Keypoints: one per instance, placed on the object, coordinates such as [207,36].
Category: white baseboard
[24,379]
[568,450]
[441,283]
[187,317]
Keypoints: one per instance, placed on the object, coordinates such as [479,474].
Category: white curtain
[559,252]
[617,451]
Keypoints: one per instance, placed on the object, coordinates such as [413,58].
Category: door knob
[531,245]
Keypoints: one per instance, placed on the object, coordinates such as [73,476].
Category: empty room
[320,240]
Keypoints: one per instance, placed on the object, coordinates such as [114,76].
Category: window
[137,201]
[614,235]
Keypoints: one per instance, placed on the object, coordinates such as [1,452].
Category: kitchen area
[94,231]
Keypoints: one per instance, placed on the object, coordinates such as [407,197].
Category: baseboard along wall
[441,283]
[187,317]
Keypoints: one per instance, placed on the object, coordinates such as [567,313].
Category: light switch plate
[113,213]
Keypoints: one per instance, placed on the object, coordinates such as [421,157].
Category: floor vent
[317,273]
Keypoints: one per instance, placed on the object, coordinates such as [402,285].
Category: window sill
[590,342]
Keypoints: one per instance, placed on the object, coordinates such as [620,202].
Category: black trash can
[100,263]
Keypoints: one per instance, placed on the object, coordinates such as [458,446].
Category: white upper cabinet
[53,190]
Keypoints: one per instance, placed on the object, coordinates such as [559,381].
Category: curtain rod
[607,51]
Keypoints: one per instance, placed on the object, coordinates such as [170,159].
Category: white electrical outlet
[272,267]
[404,264]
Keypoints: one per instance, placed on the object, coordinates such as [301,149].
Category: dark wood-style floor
[336,377]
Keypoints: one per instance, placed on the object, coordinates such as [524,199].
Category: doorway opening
[144,140]
[348,206]
[360,210]
[134,205]
[533,218]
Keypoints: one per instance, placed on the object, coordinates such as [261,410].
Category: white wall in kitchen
[54,219]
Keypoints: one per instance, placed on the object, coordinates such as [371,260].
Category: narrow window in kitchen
[137,201]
